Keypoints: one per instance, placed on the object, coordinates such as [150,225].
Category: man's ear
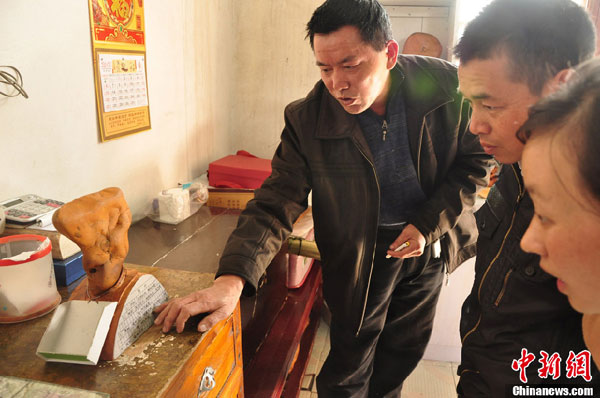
[391,51]
[560,78]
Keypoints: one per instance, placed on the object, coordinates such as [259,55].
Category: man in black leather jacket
[382,142]
[512,54]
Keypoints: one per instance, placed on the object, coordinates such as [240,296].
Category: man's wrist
[234,282]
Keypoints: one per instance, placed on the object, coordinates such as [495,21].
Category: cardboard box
[69,270]
[229,198]
[77,332]
[238,171]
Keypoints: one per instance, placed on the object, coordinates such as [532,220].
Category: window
[468,9]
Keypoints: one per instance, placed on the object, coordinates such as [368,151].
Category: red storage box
[238,171]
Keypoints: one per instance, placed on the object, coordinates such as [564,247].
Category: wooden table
[157,365]
[278,325]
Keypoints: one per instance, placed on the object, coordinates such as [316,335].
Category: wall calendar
[119,51]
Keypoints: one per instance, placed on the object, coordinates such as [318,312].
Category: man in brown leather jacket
[382,142]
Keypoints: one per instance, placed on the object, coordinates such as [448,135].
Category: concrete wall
[275,65]
[219,75]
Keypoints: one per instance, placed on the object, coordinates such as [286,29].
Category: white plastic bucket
[27,282]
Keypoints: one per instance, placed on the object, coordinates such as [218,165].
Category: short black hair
[368,16]
[573,109]
[540,37]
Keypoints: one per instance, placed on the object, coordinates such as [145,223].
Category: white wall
[215,85]
[445,338]
[275,65]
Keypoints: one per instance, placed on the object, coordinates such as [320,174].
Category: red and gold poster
[119,46]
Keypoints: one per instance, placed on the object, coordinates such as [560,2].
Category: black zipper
[499,298]
[364,307]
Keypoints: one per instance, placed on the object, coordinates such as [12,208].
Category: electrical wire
[15,80]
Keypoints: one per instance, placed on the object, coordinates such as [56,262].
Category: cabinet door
[235,385]
[215,362]
[407,20]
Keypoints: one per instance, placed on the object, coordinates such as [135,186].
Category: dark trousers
[397,326]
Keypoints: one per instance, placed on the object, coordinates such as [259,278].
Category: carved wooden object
[98,224]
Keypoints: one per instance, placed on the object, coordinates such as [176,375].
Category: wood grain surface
[147,368]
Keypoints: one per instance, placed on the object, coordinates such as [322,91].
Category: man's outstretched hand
[219,301]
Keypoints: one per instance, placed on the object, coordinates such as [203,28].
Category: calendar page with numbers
[123,81]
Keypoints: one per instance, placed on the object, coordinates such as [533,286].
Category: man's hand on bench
[218,301]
